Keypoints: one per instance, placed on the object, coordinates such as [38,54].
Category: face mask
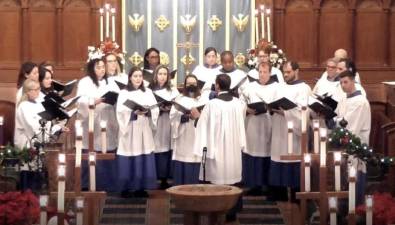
[191,88]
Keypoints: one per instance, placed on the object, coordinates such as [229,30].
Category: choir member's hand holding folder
[66,88]
[54,111]
[136,107]
[110,97]
[321,108]
[186,110]
[258,107]
[282,104]
[327,100]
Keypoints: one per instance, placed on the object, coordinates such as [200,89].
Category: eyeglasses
[154,57]
[112,61]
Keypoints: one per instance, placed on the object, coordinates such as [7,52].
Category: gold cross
[187,60]
[162,22]
[136,59]
[214,22]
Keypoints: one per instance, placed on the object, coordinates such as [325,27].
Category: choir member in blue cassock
[28,129]
[256,156]
[183,117]
[91,88]
[135,155]
[286,173]
[164,94]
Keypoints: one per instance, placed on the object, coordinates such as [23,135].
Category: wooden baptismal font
[204,204]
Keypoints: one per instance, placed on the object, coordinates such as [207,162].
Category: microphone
[42,122]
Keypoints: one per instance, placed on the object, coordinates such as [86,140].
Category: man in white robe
[221,130]
[338,55]
[263,56]
[256,156]
[286,173]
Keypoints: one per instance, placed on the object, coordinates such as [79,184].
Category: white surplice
[103,112]
[259,127]
[221,129]
[136,137]
[355,109]
[254,73]
[183,134]
[298,93]
[162,134]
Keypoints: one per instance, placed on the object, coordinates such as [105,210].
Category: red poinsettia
[383,209]
[19,208]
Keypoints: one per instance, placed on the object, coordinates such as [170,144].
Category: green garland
[343,138]
[9,152]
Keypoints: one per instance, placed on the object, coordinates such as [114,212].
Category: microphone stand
[204,157]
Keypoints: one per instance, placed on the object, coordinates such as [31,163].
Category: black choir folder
[55,111]
[162,101]
[136,106]
[186,110]
[327,100]
[282,103]
[321,108]
[200,84]
[120,85]
[110,97]
[259,107]
[67,88]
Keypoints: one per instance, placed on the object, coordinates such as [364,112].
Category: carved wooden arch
[299,4]
[10,4]
[76,4]
[42,4]
[369,4]
[335,4]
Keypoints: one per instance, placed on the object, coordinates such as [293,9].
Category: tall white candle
[351,190]
[227,24]
[337,158]
[332,210]
[103,125]
[61,187]
[256,26]
[1,121]
[323,133]
[307,161]
[92,171]
[78,146]
[304,119]
[369,209]
[79,205]
[113,24]
[316,127]
[43,209]
[252,24]
[268,25]
[101,24]
[107,6]
[91,114]
[290,137]
[262,21]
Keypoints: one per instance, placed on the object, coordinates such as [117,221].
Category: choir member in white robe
[221,130]
[135,153]
[151,61]
[45,79]
[238,77]
[256,156]
[186,164]
[355,109]
[114,72]
[28,70]
[28,130]
[162,88]
[91,88]
[263,56]
[286,173]
[208,71]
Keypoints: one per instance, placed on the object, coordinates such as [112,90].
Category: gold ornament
[162,22]
[187,60]
[136,59]
[164,58]
[240,59]
[136,22]
[240,22]
[214,23]
[188,22]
